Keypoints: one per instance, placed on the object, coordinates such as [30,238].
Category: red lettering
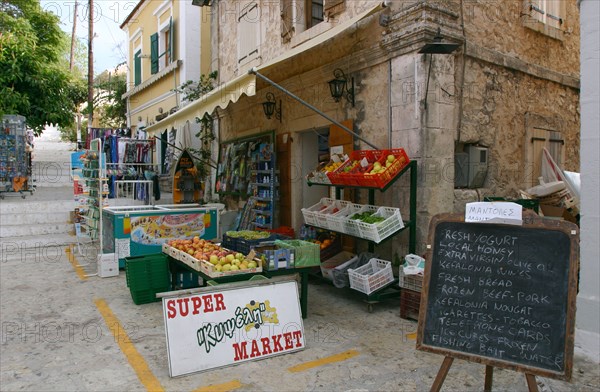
[171,312]
[277,343]
[266,346]
[288,340]
[197,303]
[297,336]
[208,307]
[219,302]
[240,351]
[255,351]
[183,312]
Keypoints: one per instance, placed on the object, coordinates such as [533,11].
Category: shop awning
[245,84]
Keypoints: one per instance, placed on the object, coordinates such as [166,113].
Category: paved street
[65,331]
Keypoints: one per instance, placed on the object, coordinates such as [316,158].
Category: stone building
[510,88]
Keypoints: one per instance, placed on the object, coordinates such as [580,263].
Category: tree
[35,81]
[108,104]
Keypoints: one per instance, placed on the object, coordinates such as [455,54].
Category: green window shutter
[154,53]
[137,68]
[171,48]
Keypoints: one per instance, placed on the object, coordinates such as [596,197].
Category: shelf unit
[263,186]
[15,169]
[96,188]
[410,225]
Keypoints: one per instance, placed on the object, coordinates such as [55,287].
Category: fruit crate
[345,175]
[275,258]
[310,213]
[336,221]
[319,175]
[372,276]
[410,282]
[243,245]
[410,301]
[333,262]
[306,254]
[380,180]
[379,231]
[146,276]
[325,216]
[351,225]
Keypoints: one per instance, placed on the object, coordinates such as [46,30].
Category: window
[315,12]
[137,68]
[545,16]
[161,47]
[538,139]
[300,15]
[248,30]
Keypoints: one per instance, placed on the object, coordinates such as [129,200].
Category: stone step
[16,247]
[32,204]
[22,230]
[45,217]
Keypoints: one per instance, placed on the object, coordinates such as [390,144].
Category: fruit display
[320,174]
[379,168]
[249,234]
[211,257]
[367,217]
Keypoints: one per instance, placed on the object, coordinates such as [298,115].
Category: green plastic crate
[146,276]
[306,254]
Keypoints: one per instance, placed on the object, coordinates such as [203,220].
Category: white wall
[588,302]
[189,40]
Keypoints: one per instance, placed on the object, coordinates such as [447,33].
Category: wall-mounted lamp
[339,84]
[436,47]
[140,118]
[160,110]
[270,107]
[201,3]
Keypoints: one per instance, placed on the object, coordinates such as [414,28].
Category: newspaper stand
[15,162]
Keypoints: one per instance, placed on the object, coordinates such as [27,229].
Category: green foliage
[192,91]
[108,103]
[35,81]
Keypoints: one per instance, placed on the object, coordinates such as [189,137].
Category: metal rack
[410,225]
[15,168]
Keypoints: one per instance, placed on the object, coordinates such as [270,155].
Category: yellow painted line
[78,269]
[411,336]
[225,387]
[135,359]
[324,361]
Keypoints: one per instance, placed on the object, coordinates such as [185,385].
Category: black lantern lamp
[270,107]
[436,47]
[339,86]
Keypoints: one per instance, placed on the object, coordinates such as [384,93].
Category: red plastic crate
[382,179]
[340,177]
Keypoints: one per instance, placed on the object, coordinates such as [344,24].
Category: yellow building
[168,44]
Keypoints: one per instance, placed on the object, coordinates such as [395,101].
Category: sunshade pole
[308,105]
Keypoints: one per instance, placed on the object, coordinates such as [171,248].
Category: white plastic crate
[310,213]
[324,216]
[372,276]
[410,282]
[352,224]
[379,231]
[337,221]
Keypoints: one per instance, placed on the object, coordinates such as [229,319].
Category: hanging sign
[220,326]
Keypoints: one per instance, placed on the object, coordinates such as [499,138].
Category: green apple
[226,267]
[214,259]
[234,268]
[223,260]
[252,264]
[239,256]
[236,262]
[218,267]
[230,257]
[391,158]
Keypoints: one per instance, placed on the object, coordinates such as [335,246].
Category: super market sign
[217,327]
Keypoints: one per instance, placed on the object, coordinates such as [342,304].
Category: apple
[234,268]
[236,262]
[226,267]
[214,260]
[218,267]
[190,251]
[391,158]
[252,264]
[230,257]
[223,261]
[239,256]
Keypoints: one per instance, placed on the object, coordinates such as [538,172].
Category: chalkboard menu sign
[502,295]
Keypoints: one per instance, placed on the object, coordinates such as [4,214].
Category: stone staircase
[40,224]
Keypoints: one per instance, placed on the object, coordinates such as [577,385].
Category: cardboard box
[554,212]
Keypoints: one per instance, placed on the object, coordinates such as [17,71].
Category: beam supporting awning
[245,84]
[308,105]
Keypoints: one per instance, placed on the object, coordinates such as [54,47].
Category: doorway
[315,150]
